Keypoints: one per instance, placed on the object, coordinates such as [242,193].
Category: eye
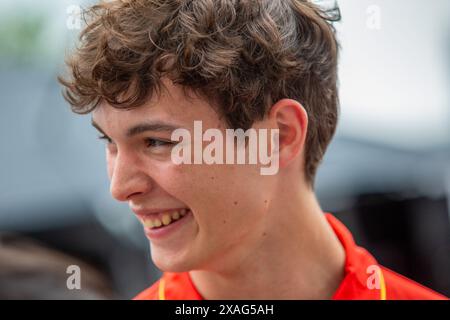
[105,138]
[150,142]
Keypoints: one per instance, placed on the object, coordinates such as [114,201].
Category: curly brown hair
[242,55]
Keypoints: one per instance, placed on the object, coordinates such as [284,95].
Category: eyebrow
[156,126]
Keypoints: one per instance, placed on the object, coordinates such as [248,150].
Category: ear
[291,119]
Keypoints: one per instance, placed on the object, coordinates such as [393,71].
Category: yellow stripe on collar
[383,286]
[161,289]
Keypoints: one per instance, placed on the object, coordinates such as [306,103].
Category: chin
[166,264]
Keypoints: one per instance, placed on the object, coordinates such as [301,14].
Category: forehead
[172,104]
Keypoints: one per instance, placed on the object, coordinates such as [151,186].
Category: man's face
[225,203]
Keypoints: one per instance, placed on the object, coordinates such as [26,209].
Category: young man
[222,229]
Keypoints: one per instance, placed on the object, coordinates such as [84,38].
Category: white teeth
[175,215]
[148,223]
[166,219]
[157,223]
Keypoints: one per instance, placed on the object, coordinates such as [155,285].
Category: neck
[298,256]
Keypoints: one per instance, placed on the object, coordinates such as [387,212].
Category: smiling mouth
[164,219]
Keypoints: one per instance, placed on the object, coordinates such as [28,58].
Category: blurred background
[386,174]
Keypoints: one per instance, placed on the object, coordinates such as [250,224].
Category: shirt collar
[359,266]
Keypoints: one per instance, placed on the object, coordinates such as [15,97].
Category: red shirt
[364,278]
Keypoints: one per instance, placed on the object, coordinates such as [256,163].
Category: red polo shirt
[364,278]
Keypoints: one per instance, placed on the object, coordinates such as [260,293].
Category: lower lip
[165,231]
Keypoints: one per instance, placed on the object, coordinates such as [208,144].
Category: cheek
[172,179]
[223,198]
[222,194]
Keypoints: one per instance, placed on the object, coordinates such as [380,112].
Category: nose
[126,179]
